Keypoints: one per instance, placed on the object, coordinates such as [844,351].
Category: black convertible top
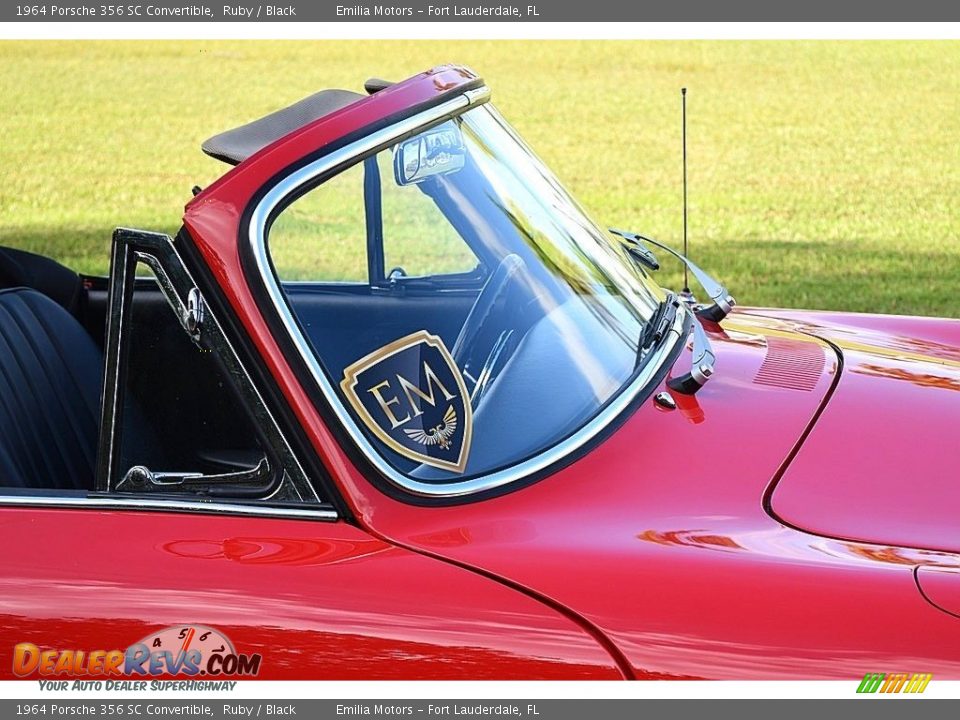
[235,146]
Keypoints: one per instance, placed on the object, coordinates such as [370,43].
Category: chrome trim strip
[258,243]
[121,503]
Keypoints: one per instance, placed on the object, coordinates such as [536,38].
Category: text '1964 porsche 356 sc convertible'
[390,405]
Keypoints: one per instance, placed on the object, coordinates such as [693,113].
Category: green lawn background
[822,174]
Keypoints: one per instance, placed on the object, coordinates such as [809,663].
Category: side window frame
[373,214]
[295,494]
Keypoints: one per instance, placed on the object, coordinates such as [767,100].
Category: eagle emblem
[438,434]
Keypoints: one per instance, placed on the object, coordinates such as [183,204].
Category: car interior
[52,331]
[50,375]
[51,372]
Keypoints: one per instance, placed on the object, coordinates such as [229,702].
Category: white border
[497,31]
[479,31]
[494,691]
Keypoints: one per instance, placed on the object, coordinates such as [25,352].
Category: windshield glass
[466,311]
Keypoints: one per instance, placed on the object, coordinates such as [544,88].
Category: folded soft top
[235,146]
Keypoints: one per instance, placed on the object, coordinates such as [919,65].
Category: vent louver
[791,364]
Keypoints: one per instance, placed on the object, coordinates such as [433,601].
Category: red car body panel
[885,482]
[941,586]
[661,539]
[315,599]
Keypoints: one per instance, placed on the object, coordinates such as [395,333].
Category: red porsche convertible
[390,405]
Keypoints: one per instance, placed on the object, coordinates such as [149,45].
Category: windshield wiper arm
[703,362]
[701,366]
[723,301]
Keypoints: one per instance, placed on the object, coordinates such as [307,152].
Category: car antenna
[685,295]
[722,301]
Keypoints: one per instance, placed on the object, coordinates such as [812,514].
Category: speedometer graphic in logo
[189,650]
[184,638]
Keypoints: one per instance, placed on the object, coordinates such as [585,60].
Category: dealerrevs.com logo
[180,651]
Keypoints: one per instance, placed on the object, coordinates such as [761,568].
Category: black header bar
[577,11]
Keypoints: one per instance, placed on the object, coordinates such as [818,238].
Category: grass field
[822,174]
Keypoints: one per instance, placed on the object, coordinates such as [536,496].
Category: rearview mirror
[438,151]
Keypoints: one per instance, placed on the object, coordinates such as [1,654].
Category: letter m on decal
[871,683]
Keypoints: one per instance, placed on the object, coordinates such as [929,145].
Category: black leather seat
[22,269]
[50,381]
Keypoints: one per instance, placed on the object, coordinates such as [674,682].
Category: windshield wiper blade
[659,324]
[636,250]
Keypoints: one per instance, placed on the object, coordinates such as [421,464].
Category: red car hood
[878,466]
[661,538]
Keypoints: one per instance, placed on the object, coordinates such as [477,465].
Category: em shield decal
[411,395]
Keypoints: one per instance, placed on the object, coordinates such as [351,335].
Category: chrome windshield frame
[291,186]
